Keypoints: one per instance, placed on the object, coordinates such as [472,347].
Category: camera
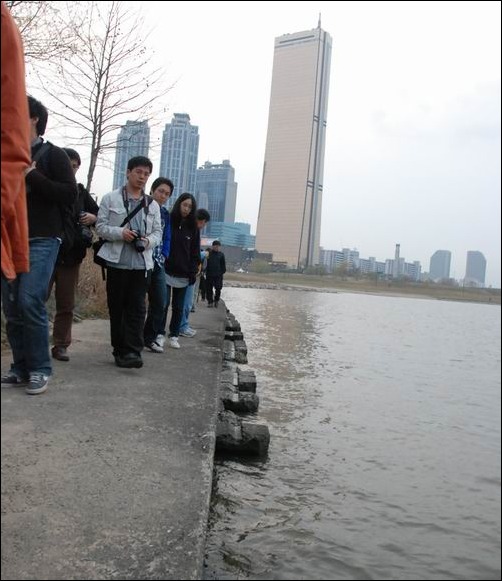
[139,244]
[85,234]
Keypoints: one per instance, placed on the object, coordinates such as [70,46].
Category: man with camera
[70,257]
[129,221]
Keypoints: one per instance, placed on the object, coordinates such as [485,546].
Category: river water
[384,461]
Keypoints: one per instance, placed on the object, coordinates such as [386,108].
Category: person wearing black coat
[65,276]
[215,270]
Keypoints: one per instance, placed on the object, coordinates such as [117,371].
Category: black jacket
[184,252]
[49,186]
[216,264]
[74,255]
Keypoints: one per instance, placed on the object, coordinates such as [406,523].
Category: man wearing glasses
[129,221]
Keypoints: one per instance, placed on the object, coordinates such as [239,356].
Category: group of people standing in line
[46,230]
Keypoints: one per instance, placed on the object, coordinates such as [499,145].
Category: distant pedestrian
[155,325]
[129,221]
[70,257]
[215,270]
[183,261]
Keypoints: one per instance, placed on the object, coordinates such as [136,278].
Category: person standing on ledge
[215,270]
[129,221]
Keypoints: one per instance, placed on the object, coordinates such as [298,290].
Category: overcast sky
[413,134]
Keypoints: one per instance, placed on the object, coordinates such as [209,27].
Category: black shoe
[215,304]
[60,353]
[209,305]
[129,361]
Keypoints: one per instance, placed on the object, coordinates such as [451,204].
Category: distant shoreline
[326,284]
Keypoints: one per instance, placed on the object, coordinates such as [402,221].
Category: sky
[413,128]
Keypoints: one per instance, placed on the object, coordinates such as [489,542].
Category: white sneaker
[160,340]
[155,347]
[188,332]
[173,342]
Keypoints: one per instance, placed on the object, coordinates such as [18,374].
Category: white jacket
[111,215]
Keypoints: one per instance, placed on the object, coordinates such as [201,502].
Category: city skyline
[413,140]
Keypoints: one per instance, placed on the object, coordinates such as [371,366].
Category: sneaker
[188,332]
[129,361]
[160,340]
[155,347]
[11,379]
[60,353]
[173,342]
[38,383]
[192,310]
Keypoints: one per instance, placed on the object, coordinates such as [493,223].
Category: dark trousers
[126,292]
[215,282]
[157,305]
[66,279]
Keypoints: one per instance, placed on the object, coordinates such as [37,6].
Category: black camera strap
[147,200]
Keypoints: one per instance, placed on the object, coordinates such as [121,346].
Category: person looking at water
[183,261]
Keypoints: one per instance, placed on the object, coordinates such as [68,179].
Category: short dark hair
[38,110]
[73,155]
[202,214]
[216,243]
[159,181]
[139,161]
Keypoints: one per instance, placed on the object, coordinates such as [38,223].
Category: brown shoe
[60,353]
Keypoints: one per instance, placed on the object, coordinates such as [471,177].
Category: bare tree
[108,80]
[47,28]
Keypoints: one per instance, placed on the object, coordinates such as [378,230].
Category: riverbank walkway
[108,474]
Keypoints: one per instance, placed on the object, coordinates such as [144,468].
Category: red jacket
[15,150]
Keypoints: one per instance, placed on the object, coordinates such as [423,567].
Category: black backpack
[69,213]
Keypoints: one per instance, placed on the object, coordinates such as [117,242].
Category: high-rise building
[439,268]
[133,140]
[289,221]
[231,234]
[475,270]
[216,187]
[178,158]
[397,264]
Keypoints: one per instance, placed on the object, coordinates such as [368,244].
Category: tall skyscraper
[475,270]
[133,140]
[289,221]
[216,187]
[180,149]
[439,268]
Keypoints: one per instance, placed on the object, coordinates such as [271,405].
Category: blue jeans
[157,304]
[187,305]
[178,299]
[23,301]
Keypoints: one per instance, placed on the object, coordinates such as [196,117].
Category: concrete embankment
[108,474]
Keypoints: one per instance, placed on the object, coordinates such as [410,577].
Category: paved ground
[108,474]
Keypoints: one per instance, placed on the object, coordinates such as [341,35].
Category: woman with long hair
[183,261]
